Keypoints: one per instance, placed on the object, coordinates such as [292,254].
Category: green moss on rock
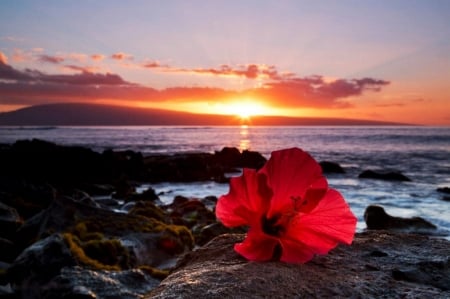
[105,254]
[149,210]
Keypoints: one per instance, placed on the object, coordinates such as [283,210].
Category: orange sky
[295,58]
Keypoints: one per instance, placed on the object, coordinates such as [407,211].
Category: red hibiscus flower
[291,213]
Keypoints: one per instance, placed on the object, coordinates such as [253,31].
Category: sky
[377,60]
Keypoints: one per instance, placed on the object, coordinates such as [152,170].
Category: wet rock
[182,168]
[251,159]
[208,232]
[229,156]
[388,176]
[77,282]
[148,195]
[38,264]
[123,189]
[331,167]
[434,273]
[87,222]
[48,269]
[445,190]
[377,218]
[149,210]
[8,250]
[68,167]
[200,166]
[216,271]
[10,221]
[190,212]
[27,198]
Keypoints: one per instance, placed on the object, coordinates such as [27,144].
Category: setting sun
[245,109]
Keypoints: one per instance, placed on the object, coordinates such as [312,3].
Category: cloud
[12,39]
[83,69]
[316,92]
[3,58]
[8,73]
[84,78]
[153,64]
[29,87]
[277,89]
[51,59]
[97,57]
[121,56]
[249,71]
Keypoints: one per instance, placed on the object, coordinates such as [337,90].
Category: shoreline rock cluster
[57,240]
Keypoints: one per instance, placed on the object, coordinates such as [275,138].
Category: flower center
[272,226]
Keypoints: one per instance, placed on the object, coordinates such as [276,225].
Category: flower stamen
[272,225]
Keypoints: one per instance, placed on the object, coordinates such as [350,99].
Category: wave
[28,128]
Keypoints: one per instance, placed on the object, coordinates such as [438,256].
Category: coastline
[86,203]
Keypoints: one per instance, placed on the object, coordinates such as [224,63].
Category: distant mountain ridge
[78,114]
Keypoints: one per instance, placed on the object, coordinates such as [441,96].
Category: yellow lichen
[78,251]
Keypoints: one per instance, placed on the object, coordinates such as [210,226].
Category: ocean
[420,153]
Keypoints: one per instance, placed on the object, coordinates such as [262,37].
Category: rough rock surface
[77,282]
[379,264]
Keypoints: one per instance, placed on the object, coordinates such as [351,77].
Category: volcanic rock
[331,167]
[77,282]
[10,221]
[445,190]
[377,264]
[377,218]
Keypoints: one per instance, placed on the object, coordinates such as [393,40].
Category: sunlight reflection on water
[244,142]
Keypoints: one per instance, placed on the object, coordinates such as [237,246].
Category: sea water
[421,153]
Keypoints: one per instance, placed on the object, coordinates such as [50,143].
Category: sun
[245,109]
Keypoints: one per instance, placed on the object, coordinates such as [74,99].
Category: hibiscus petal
[257,246]
[295,252]
[329,223]
[290,173]
[242,205]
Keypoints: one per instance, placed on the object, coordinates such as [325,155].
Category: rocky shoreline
[58,241]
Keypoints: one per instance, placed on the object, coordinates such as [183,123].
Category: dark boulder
[26,198]
[251,159]
[228,157]
[445,190]
[8,251]
[377,218]
[49,269]
[182,168]
[148,195]
[387,176]
[10,221]
[67,167]
[78,282]
[378,264]
[38,264]
[331,167]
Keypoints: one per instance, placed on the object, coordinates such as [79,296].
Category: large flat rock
[379,264]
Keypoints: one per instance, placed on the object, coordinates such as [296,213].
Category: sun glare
[245,109]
